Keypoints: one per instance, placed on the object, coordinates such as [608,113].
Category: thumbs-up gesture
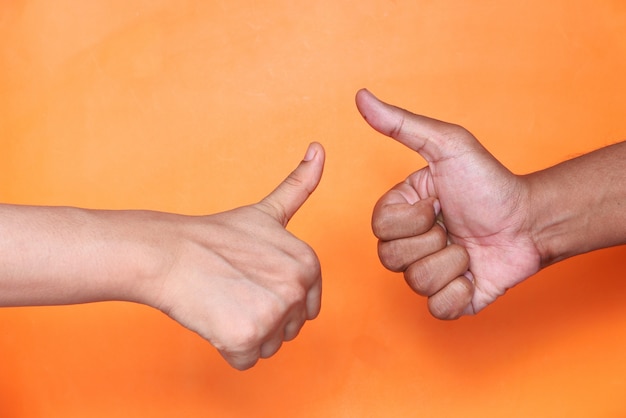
[458,228]
[240,279]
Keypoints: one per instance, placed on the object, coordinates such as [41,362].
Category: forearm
[60,255]
[580,204]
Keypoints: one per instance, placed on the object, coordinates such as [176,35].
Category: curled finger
[241,360]
[272,345]
[432,273]
[314,300]
[398,254]
[394,217]
[293,326]
[452,301]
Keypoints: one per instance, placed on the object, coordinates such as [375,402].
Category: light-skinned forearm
[579,205]
[62,255]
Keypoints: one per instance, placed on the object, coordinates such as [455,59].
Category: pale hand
[240,279]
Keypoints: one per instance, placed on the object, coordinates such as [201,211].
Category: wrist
[550,222]
[576,206]
[137,254]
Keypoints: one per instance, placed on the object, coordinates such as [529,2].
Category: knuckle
[305,266]
[380,226]
[454,131]
[294,179]
[397,255]
[429,275]
[291,296]
[457,136]
[243,338]
[420,278]
[310,262]
[397,129]
[273,208]
[291,290]
[390,256]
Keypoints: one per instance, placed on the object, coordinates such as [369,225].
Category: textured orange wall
[197,107]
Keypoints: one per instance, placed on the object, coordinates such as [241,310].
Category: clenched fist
[457,228]
[240,279]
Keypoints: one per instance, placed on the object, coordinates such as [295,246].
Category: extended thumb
[420,133]
[291,194]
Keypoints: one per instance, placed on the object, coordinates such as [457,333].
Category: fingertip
[364,100]
[436,206]
[362,93]
[387,119]
[310,153]
[313,163]
[315,152]
[314,157]
[422,134]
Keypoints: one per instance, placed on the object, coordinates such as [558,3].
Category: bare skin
[238,278]
[495,228]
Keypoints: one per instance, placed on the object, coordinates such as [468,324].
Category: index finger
[400,213]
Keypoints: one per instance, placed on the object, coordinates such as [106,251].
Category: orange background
[197,107]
